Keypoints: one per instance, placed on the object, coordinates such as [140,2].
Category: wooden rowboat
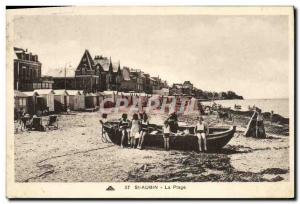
[216,140]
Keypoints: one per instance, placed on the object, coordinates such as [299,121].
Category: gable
[86,63]
[103,62]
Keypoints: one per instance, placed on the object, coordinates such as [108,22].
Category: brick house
[132,80]
[187,88]
[110,74]
[27,72]
[147,83]
[86,74]
[128,83]
[176,89]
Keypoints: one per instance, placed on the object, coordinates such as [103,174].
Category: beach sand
[75,152]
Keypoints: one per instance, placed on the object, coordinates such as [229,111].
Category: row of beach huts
[49,100]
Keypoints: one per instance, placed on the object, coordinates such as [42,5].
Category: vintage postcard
[150,102]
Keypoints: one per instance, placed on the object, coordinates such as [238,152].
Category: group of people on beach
[136,129]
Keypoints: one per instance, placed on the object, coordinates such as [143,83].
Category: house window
[30,74]
[22,102]
[34,74]
[23,72]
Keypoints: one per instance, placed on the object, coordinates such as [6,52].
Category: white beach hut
[91,100]
[60,100]
[48,96]
[32,105]
[75,100]
[20,101]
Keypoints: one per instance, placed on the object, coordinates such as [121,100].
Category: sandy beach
[75,152]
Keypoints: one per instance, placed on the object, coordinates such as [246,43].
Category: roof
[31,93]
[17,49]
[126,94]
[126,74]
[89,58]
[143,94]
[18,52]
[155,78]
[92,94]
[20,94]
[98,94]
[44,91]
[106,93]
[135,70]
[115,67]
[73,92]
[178,86]
[187,83]
[103,61]
[60,72]
[61,92]
[22,54]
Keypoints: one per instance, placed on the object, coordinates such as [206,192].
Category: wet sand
[75,152]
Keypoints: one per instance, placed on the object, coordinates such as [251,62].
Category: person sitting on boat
[260,129]
[201,130]
[134,130]
[173,122]
[124,128]
[166,131]
[144,130]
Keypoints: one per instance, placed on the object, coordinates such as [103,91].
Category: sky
[245,54]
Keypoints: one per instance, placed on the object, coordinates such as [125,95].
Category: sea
[279,106]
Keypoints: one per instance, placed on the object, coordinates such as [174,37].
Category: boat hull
[216,140]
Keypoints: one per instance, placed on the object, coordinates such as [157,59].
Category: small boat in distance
[216,140]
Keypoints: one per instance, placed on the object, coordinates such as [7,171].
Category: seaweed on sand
[193,167]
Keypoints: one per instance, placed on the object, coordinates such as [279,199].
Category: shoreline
[276,117]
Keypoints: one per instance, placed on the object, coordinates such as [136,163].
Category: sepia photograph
[150,102]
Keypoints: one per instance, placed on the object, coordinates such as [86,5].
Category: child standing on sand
[134,130]
[166,130]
